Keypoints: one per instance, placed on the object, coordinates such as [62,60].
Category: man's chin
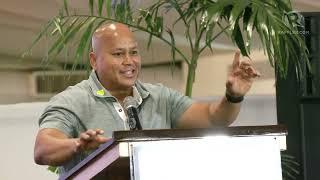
[128,84]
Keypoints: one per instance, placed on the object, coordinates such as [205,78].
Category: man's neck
[121,94]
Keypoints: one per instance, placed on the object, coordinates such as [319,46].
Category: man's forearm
[224,112]
[54,151]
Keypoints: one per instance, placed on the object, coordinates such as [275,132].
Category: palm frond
[290,167]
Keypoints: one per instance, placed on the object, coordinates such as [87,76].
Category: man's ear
[93,60]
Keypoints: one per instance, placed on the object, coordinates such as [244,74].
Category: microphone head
[130,101]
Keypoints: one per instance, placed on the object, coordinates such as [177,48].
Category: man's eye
[134,53]
[118,54]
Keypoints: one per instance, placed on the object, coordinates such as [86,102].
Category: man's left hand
[241,76]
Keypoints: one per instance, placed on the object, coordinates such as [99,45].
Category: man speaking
[82,117]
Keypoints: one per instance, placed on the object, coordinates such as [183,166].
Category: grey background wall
[18,127]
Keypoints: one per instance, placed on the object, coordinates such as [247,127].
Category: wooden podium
[247,153]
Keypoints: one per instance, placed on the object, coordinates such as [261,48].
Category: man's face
[118,61]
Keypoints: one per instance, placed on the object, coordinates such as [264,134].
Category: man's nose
[127,59]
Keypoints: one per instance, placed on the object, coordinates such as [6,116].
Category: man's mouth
[128,73]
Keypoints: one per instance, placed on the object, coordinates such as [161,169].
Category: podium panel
[219,157]
[242,153]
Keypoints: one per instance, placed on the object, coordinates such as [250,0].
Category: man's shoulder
[150,85]
[151,88]
[78,92]
[156,89]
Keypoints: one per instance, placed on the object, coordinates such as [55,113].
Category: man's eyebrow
[118,49]
[122,49]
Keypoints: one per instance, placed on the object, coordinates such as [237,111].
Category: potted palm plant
[203,21]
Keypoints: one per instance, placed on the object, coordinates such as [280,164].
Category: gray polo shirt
[88,105]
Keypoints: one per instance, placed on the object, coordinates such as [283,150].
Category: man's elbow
[40,158]
[43,158]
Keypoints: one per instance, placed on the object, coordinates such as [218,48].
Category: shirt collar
[96,87]
[139,91]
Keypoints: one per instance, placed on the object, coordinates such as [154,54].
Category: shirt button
[120,110]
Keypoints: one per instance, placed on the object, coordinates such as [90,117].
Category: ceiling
[20,21]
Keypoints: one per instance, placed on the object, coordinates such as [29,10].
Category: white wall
[18,127]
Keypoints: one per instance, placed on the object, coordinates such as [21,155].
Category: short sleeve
[178,104]
[59,115]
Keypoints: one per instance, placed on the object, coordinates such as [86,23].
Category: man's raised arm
[224,112]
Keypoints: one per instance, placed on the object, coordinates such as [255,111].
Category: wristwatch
[233,99]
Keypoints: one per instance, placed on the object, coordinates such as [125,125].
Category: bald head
[108,33]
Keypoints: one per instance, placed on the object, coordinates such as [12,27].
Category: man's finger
[236,59]
[248,68]
[99,131]
[88,135]
[245,74]
[245,64]
[85,136]
[91,132]
[253,72]
[102,139]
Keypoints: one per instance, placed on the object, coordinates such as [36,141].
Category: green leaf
[66,9]
[193,10]
[158,25]
[82,44]
[149,41]
[53,169]
[120,13]
[237,10]
[89,45]
[216,9]
[248,24]
[173,46]
[284,5]
[91,2]
[59,40]
[65,21]
[140,18]
[57,23]
[148,20]
[177,7]
[70,32]
[128,14]
[36,40]
[108,8]
[100,7]
[290,168]
[237,37]
[209,35]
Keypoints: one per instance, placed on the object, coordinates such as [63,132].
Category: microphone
[130,104]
